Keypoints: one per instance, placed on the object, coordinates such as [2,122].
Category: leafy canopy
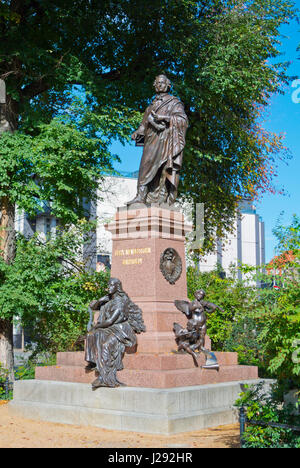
[221,55]
[48,287]
[61,163]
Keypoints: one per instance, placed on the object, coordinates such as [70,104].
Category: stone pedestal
[165,393]
[140,236]
[149,370]
[156,411]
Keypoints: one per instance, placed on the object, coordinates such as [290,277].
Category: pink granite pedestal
[139,237]
[162,370]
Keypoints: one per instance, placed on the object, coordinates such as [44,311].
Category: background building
[245,245]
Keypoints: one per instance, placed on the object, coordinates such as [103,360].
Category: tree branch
[35,88]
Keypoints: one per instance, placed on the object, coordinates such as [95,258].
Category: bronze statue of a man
[162,133]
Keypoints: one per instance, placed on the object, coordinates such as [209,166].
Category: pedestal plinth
[140,236]
[165,392]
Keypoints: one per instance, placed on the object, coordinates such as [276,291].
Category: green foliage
[233,296]
[278,314]
[278,310]
[49,287]
[288,237]
[62,162]
[268,406]
[26,371]
[222,57]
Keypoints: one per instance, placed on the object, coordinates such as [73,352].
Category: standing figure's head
[114,285]
[199,294]
[162,84]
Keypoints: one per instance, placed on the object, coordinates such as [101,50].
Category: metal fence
[252,422]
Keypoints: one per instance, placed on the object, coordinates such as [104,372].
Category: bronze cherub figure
[192,338]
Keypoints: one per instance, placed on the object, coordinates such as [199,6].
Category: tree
[278,418]
[61,166]
[48,287]
[288,237]
[235,298]
[215,52]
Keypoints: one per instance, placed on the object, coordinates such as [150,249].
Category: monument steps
[156,411]
[147,361]
[166,370]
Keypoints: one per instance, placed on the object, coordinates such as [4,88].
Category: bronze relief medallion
[170,265]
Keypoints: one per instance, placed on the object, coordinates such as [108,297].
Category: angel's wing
[183,306]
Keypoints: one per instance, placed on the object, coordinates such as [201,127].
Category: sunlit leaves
[46,287]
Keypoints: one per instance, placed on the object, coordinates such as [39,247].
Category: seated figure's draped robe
[163,150]
[105,346]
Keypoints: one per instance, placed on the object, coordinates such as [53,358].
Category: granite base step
[146,410]
[152,378]
[152,371]
[147,361]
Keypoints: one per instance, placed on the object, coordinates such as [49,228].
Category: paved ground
[17,432]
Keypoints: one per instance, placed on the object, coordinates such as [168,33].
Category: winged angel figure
[192,338]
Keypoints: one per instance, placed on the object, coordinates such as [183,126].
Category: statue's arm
[107,322]
[95,305]
[210,307]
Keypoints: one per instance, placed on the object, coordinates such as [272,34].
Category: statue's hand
[98,302]
[160,118]
[158,126]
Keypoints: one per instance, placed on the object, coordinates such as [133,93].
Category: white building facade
[245,245]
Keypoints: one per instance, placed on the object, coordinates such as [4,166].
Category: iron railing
[253,422]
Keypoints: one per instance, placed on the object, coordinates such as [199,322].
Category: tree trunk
[6,347]
[7,230]
[7,245]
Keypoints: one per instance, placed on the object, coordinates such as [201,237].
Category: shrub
[268,407]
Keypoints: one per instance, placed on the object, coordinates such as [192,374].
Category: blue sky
[283,115]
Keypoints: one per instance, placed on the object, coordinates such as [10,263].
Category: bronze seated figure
[118,322]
